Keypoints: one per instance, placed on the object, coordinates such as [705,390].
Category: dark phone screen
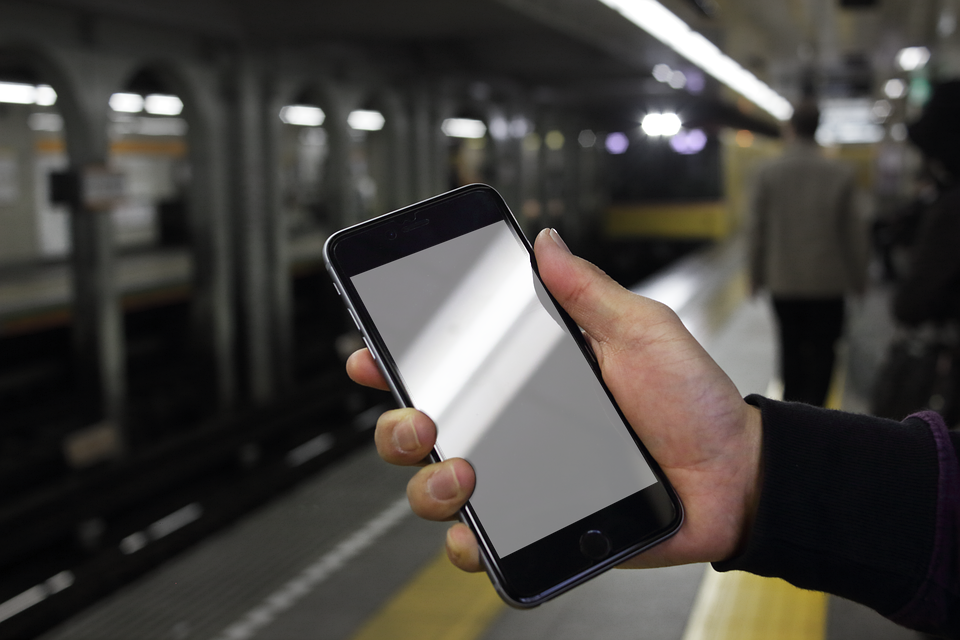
[481,350]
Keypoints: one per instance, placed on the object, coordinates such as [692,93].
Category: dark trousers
[809,330]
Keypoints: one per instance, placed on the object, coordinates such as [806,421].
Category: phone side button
[594,545]
[337,287]
[372,352]
[356,322]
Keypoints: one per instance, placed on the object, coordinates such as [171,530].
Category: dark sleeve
[929,291]
[861,507]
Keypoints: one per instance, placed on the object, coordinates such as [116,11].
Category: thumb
[591,297]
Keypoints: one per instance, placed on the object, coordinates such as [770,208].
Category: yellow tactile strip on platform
[440,603]
[747,607]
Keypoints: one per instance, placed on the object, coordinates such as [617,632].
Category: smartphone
[449,301]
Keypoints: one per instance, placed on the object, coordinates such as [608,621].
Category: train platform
[341,556]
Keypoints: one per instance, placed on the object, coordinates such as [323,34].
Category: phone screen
[482,350]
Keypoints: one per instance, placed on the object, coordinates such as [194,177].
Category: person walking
[806,247]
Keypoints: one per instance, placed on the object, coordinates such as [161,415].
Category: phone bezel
[571,329]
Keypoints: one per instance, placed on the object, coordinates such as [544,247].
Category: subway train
[171,347]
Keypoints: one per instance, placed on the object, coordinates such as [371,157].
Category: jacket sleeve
[861,507]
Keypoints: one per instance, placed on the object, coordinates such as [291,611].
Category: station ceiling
[574,47]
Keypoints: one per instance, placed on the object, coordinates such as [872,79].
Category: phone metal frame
[394,381]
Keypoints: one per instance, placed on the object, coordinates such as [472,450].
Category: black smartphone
[447,296]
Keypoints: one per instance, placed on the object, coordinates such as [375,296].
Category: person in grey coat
[806,246]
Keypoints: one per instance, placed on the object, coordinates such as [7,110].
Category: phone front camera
[392,234]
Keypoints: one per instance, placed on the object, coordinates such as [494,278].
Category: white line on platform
[308,579]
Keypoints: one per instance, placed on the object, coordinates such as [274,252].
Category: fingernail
[405,436]
[558,240]
[444,485]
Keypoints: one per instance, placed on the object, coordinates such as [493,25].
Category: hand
[684,408]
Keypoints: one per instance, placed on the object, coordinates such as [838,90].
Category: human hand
[683,407]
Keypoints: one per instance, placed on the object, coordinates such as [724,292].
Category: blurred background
[171,348]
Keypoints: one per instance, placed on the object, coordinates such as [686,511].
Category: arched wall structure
[232,91]
[83,88]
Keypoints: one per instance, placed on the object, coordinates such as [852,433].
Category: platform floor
[341,557]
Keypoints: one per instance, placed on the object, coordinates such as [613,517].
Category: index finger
[362,369]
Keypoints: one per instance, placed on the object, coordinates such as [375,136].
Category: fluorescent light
[661,124]
[20,93]
[46,96]
[162,105]
[463,128]
[895,88]
[913,58]
[662,24]
[363,120]
[302,115]
[17,93]
[126,102]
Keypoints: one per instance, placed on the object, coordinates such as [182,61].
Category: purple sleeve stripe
[940,591]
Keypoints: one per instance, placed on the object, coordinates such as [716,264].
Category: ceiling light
[662,72]
[895,88]
[662,24]
[617,143]
[554,140]
[913,58]
[689,143]
[302,115]
[126,102]
[17,93]
[162,105]
[677,80]
[882,110]
[587,138]
[364,120]
[661,124]
[46,96]
[463,128]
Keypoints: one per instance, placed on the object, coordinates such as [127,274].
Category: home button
[594,545]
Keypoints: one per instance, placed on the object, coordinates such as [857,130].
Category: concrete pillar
[278,239]
[423,144]
[213,299]
[251,228]
[84,84]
